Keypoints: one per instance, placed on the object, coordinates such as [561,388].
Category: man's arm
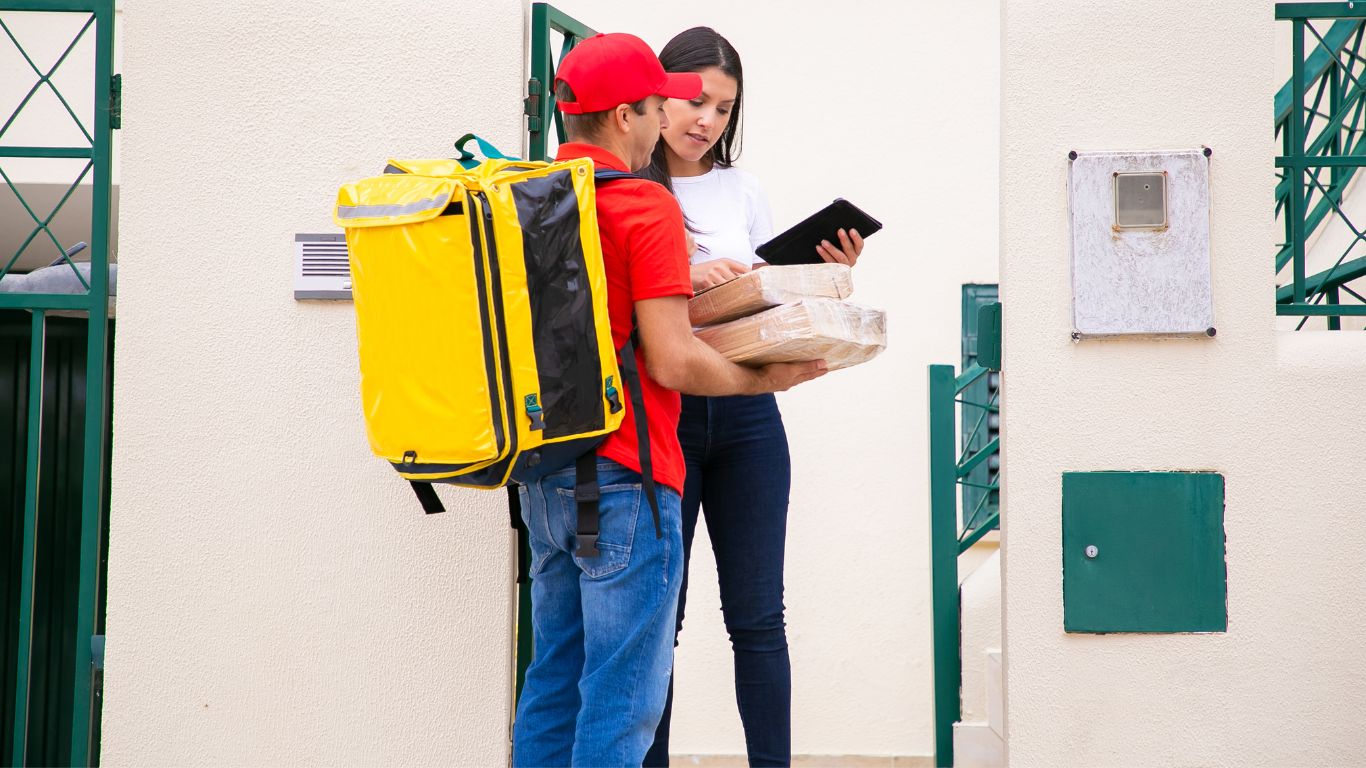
[680,361]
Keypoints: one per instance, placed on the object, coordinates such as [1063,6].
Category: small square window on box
[1140,200]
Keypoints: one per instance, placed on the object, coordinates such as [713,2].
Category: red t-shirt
[645,256]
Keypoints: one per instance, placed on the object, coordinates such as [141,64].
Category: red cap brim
[681,85]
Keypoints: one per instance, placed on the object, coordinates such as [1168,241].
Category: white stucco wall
[276,596]
[1274,412]
[893,106]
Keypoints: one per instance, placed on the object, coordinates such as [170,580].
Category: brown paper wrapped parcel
[807,328]
[769,287]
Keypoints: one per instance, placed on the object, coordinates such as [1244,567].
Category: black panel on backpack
[561,305]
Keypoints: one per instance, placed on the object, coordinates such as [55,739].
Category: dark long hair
[694,50]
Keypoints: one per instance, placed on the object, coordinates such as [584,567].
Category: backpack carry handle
[489,152]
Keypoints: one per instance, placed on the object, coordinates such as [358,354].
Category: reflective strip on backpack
[404,209]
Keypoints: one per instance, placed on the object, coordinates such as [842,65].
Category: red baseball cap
[607,70]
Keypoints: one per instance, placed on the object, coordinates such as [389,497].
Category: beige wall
[893,106]
[276,596]
[1274,412]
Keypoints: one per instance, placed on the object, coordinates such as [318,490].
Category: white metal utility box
[1140,243]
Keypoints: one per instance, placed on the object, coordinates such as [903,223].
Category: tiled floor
[807,761]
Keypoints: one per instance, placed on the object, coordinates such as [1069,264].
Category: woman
[738,469]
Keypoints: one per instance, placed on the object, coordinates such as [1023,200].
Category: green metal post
[540,85]
[1295,210]
[525,649]
[18,747]
[1335,175]
[92,485]
[948,671]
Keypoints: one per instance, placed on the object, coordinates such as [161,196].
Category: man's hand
[715,272]
[780,377]
[678,360]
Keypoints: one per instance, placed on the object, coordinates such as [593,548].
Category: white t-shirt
[727,212]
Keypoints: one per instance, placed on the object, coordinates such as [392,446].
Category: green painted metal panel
[1143,552]
[989,336]
[15,382]
[56,565]
[29,519]
[980,426]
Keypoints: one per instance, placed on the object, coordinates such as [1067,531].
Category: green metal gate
[971,396]
[57,368]
[56,557]
[547,23]
[1321,128]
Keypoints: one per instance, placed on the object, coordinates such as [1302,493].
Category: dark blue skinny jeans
[739,474]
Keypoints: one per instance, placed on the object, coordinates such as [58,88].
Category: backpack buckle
[587,545]
[613,397]
[534,412]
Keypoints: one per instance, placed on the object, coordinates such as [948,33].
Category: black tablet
[798,244]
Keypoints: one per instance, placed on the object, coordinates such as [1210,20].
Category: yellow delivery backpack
[486,353]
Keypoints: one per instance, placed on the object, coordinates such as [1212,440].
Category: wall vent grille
[321,267]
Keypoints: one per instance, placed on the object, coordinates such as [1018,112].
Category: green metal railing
[976,497]
[95,18]
[952,534]
[1321,126]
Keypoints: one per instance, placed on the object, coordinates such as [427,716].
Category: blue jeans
[603,627]
[740,474]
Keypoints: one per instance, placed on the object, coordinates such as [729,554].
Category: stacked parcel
[789,314]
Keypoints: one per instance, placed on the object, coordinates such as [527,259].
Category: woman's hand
[851,245]
[715,272]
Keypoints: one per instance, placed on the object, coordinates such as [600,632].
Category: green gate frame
[1321,126]
[94,303]
[950,538]
[539,108]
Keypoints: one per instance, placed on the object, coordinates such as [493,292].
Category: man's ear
[621,118]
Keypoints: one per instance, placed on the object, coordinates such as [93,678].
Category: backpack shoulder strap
[586,491]
[606,175]
[426,495]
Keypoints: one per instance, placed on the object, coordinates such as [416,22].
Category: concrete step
[977,745]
